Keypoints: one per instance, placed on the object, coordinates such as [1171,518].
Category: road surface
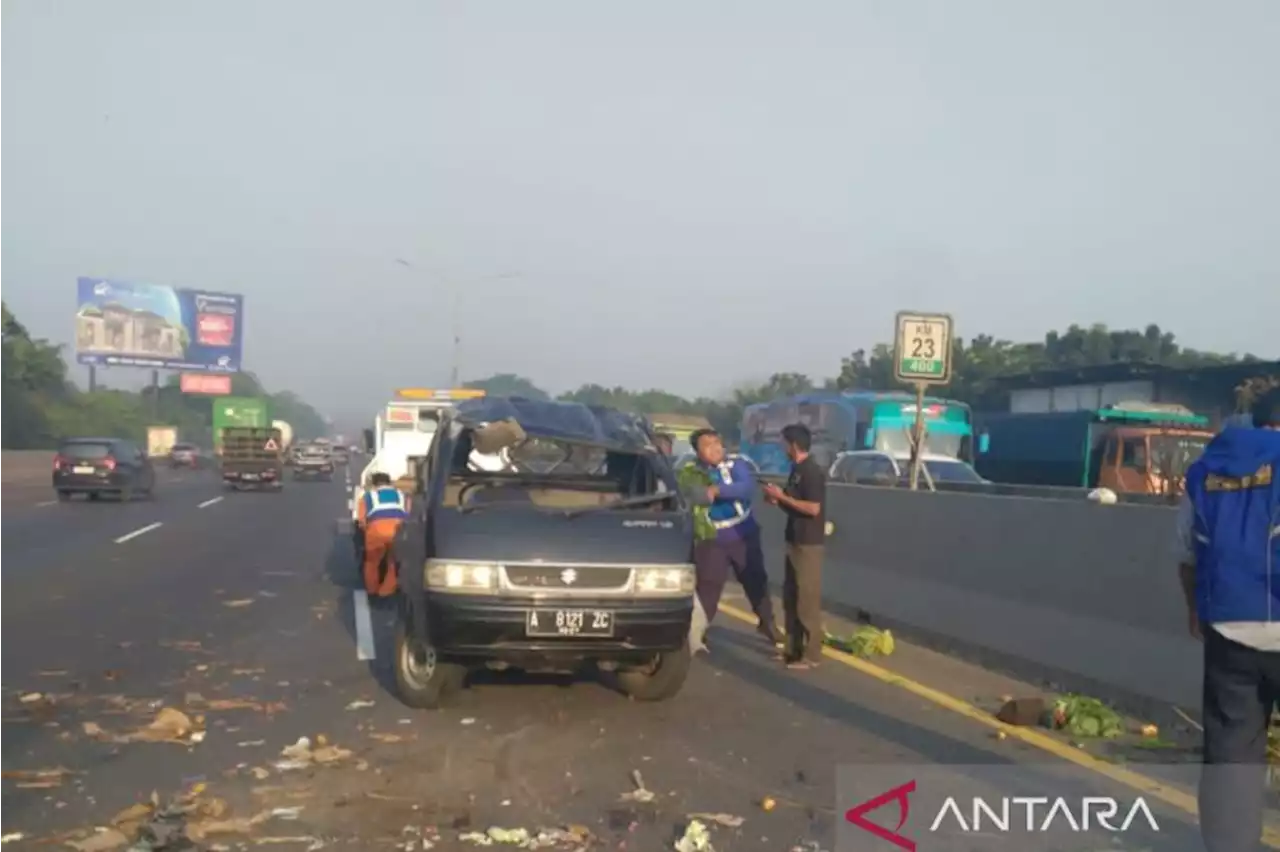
[237,610]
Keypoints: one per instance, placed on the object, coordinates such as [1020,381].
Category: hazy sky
[688,194]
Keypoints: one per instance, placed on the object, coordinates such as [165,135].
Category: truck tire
[661,682]
[423,681]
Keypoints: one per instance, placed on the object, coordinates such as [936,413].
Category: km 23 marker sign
[922,348]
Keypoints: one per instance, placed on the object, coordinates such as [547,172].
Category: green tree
[509,384]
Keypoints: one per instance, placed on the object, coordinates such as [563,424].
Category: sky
[686,195]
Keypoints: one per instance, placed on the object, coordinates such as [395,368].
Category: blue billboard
[127,324]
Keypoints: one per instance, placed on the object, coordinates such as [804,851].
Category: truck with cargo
[286,434]
[238,411]
[161,440]
[1128,447]
[251,458]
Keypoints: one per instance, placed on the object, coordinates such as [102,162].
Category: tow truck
[401,438]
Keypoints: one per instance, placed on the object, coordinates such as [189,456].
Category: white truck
[286,434]
[160,440]
[402,433]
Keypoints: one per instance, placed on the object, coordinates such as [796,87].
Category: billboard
[129,324]
[210,383]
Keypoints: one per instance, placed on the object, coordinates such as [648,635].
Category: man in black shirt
[802,500]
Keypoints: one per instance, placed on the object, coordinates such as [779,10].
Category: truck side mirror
[984,442]
[368,442]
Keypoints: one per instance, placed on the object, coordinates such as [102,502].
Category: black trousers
[1241,691]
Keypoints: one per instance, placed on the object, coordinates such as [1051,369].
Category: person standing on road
[383,510]
[802,501]
[1229,565]
[726,535]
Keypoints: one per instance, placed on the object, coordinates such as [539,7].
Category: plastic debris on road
[696,838]
[303,754]
[726,820]
[640,793]
[359,704]
[866,641]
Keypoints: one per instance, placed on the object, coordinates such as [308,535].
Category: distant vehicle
[185,455]
[97,466]
[339,454]
[872,467]
[569,547]
[1128,447]
[313,461]
[849,422]
[251,458]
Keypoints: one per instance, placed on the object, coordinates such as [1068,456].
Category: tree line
[977,364]
[42,406]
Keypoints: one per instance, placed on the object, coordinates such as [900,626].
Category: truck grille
[567,577]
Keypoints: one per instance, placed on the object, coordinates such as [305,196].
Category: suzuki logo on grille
[568,576]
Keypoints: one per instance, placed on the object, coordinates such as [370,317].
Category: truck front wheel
[659,681]
[423,680]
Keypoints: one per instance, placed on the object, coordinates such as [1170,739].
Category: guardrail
[21,466]
[1086,590]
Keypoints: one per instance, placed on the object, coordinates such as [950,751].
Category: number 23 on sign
[922,347]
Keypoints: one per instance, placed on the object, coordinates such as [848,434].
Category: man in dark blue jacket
[731,539]
[1229,525]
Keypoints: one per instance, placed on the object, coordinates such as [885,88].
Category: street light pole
[455,319]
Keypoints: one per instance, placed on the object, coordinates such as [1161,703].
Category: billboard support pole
[155,395]
[93,378]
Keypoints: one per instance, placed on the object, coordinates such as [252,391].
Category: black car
[569,547]
[97,466]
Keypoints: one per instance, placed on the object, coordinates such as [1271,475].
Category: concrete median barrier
[1066,585]
[25,466]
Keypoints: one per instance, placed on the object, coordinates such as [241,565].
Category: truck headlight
[461,576]
[664,579]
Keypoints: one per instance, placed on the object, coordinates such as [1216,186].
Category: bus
[860,420]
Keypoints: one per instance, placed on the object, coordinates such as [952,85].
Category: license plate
[83,469]
[249,476]
[568,622]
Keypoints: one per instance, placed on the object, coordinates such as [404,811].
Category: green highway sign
[922,348]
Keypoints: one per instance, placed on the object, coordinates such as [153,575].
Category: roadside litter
[866,641]
[168,726]
[302,754]
[640,793]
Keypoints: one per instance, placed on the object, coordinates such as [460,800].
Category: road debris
[102,840]
[726,820]
[640,793]
[31,698]
[169,726]
[768,803]
[303,754]
[386,738]
[37,779]
[469,720]
[12,837]
[359,704]
[865,641]
[239,603]
[1082,716]
[696,838]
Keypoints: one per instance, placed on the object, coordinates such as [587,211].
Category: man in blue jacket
[732,537]
[1229,527]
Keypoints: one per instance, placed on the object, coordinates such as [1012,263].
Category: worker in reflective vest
[383,508]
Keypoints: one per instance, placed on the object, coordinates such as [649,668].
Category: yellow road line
[1144,784]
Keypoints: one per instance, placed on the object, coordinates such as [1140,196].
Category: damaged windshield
[499,465]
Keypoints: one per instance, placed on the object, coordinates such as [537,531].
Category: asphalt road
[237,609]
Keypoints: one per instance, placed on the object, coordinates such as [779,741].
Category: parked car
[872,467]
[186,455]
[97,466]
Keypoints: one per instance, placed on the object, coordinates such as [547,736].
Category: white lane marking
[209,502]
[139,531]
[364,626]
[47,503]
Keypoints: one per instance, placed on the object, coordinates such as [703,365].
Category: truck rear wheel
[423,680]
[661,680]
